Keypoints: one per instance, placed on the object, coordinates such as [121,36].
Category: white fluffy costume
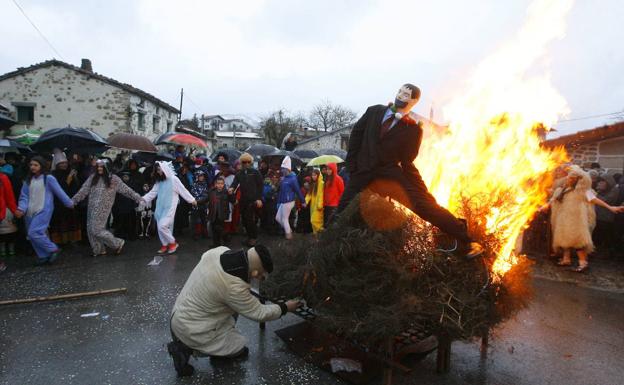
[572,215]
[168,192]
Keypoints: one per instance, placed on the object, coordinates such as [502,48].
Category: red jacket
[333,190]
[7,199]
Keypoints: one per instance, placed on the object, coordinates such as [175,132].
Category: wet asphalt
[569,335]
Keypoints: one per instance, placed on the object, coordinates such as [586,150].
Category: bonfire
[381,270]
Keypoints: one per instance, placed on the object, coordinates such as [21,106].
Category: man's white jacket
[203,313]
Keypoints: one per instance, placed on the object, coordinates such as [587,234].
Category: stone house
[238,140]
[55,94]
[219,123]
[603,145]
[336,139]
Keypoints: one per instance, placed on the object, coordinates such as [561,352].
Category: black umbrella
[306,154]
[231,153]
[6,121]
[280,155]
[151,157]
[73,139]
[333,151]
[8,145]
[260,150]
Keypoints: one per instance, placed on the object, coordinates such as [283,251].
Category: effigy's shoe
[472,250]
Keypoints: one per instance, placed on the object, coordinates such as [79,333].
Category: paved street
[569,335]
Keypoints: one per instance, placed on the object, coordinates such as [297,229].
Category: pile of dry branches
[378,271]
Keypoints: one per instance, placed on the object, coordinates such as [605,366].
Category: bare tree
[278,124]
[327,116]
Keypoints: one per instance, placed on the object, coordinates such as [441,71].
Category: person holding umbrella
[101,187]
[168,188]
[36,204]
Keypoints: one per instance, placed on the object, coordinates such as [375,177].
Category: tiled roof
[113,82]
[588,136]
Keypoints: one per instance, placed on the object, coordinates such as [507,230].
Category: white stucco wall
[333,141]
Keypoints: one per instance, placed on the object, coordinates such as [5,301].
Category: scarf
[36,196]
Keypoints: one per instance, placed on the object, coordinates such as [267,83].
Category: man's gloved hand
[292,305]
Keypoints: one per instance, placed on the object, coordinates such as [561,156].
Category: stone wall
[609,153]
[62,97]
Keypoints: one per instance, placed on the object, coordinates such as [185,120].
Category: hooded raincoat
[314,200]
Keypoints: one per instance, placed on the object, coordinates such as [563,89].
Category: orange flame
[492,148]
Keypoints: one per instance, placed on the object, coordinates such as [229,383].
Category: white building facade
[55,94]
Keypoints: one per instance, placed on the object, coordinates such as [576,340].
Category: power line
[590,117]
[38,30]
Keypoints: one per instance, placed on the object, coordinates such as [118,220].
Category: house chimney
[86,65]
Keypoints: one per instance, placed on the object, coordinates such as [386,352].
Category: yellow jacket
[315,203]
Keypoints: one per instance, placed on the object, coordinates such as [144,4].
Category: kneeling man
[203,318]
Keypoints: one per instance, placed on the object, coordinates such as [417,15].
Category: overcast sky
[253,57]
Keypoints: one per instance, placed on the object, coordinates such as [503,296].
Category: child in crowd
[314,199]
[289,191]
[199,217]
[333,190]
[218,210]
[145,214]
[269,198]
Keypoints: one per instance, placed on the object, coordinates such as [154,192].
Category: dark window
[168,126]
[155,123]
[25,114]
[141,121]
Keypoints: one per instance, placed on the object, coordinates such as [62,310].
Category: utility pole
[181,99]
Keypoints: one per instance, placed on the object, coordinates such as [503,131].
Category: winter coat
[218,205]
[7,199]
[610,196]
[315,202]
[573,219]
[203,313]
[333,190]
[400,146]
[250,182]
[289,190]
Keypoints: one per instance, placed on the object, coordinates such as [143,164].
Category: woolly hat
[264,255]
[286,163]
[246,157]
